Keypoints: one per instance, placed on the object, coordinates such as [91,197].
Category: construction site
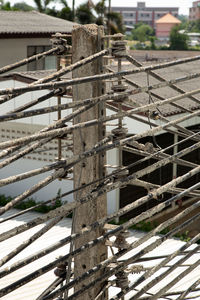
[115,141]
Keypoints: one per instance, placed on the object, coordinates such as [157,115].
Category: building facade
[164,26]
[141,13]
[195,11]
[23,34]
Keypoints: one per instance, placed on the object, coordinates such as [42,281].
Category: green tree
[64,13]
[42,5]
[84,14]
[142,32]
[112,19]
[184,21]
[22,6]
[17,6]
[178,41]
[5,5]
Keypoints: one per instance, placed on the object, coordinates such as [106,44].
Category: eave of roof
[168,18]
[19,23]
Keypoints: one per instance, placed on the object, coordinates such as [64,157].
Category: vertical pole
[86,40]
[59,111]
[174,165]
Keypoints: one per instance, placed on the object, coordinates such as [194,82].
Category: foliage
[142,32]
[42,5]
[112,19]
[22,6]
[193,26]
[178,41]
[43,208]
[184,21]
[153,45]
[146,226]
[84,14]
[5,5]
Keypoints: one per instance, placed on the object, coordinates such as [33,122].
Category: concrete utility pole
[86,40]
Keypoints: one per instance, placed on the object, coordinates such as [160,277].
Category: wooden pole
[86,40]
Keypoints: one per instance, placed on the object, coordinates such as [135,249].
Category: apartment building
[141,13]
[195,11]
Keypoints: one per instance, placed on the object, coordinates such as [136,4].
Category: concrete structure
[194,13]
[141,13]
[164,26]
[23,34]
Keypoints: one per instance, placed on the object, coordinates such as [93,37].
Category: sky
[182,4]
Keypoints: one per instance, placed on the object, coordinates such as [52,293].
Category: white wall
[34,160]
[25,126]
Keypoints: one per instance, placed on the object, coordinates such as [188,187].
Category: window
[47,63]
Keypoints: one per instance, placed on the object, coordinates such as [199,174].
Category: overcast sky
[182,4]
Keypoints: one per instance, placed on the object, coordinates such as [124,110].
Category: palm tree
[84,14]
[113,20]
[42,5]
[66,12]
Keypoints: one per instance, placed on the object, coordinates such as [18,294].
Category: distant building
[194,38]
[23,34]
[195,11]
[164,26]
[141,13]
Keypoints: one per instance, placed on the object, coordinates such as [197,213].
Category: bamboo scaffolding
[180,292]
[120,266]
[106,183]
[50,288]
[24,211]
[105,76]
[148,186]
[160,78]
[116,185]
[31,173]
[57,174]
[57,74]
[161,98]
[190,289]
[152,124]
[170,83]
[49,109]
[57,124]
[152,271]
[45,269]
[71,67]
[37,101]
[30,240]
[57,132]
[174,281]
[159,156]
[61,243]
[119,228]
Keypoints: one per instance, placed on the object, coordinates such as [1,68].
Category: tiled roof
[33,22]
[169,73]
[168,18]
[33,289]
[141,79]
